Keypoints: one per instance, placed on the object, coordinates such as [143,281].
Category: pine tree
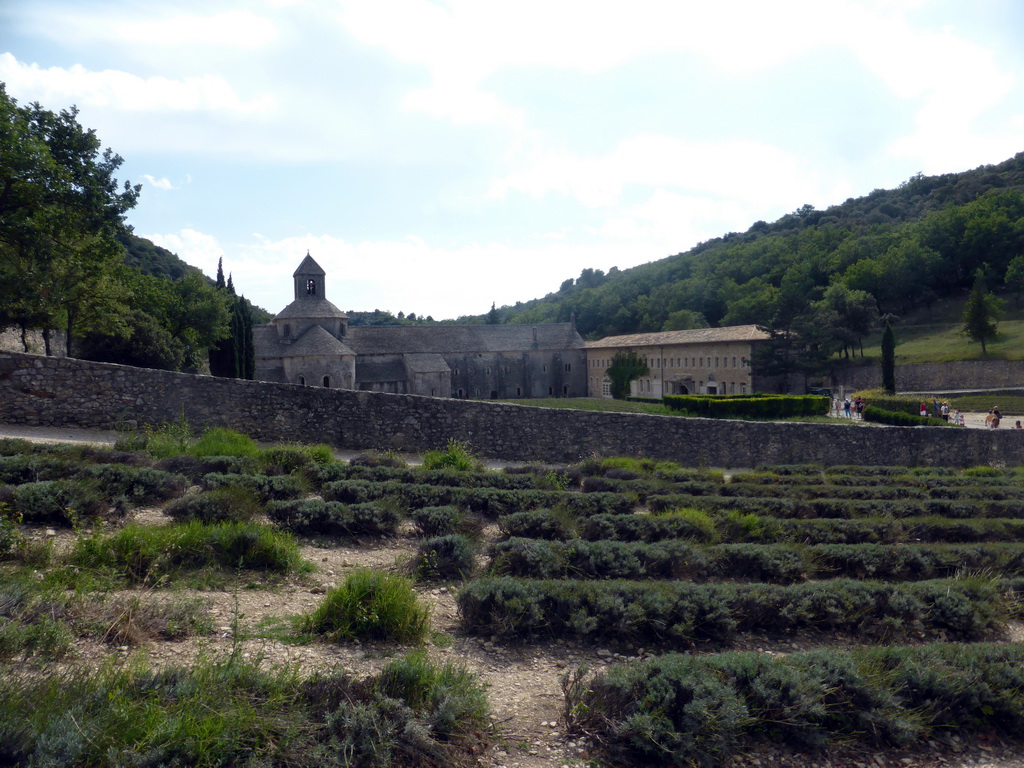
[981,313]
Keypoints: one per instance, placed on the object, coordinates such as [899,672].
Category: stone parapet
[42,391]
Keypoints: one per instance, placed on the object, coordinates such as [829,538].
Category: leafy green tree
[684,320]
[1014,279]
[888,359]
[492,315]
[981,313]
[61,220]
[848,315]
[625,368]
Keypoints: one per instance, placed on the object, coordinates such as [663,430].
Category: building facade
[310,342]
[701,361]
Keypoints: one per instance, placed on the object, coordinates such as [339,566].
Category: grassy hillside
[933,335]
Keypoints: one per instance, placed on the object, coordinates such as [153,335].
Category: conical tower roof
[308,267]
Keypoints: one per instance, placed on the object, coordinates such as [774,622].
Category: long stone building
[702,361]
[310,343]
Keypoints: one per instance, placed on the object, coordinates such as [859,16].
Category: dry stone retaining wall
[46,391]
[936,377]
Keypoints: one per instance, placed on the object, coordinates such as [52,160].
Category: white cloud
[740,170]
[161,183]
[235,29]
[126,92]
[153,24]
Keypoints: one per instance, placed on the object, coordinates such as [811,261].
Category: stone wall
[937,377]
[65,392]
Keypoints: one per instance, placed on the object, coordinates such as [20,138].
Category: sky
[438,157]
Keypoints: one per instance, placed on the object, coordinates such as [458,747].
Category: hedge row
[313,517]
[818,489]
[686,710]
[696,526]
[755,406]
[490,502]
[658,613]
[776,563]
[900,419]
[840,508]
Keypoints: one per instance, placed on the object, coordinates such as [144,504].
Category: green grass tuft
[370,605]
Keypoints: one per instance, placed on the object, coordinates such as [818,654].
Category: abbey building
[310,343]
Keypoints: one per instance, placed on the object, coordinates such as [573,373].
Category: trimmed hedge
[899,419]
[686,710]
[749,406]
[659,613]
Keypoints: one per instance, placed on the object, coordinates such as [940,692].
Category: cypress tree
[889,359]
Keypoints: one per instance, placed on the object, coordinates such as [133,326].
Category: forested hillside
[891,251]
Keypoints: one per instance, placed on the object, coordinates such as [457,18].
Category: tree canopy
[69,262]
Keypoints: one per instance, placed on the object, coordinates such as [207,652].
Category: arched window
[327,381]
[302,381]
[311,287]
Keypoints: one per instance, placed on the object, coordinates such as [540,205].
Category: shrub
[448,697]
[229,503]
[660,712]
[31,468]
[442,521]
[265,487]
[445,557]
[539,524]
[137,485]
[370,605]
[313,517]
[61,502]
[195,468]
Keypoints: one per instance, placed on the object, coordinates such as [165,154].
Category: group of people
[994,417]
[942,411]
[848,408]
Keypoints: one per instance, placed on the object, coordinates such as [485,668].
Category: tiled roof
[315,342]
[692,336]
[455,339]
[380,370]
[264,341]
[310,307]
[426,364]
